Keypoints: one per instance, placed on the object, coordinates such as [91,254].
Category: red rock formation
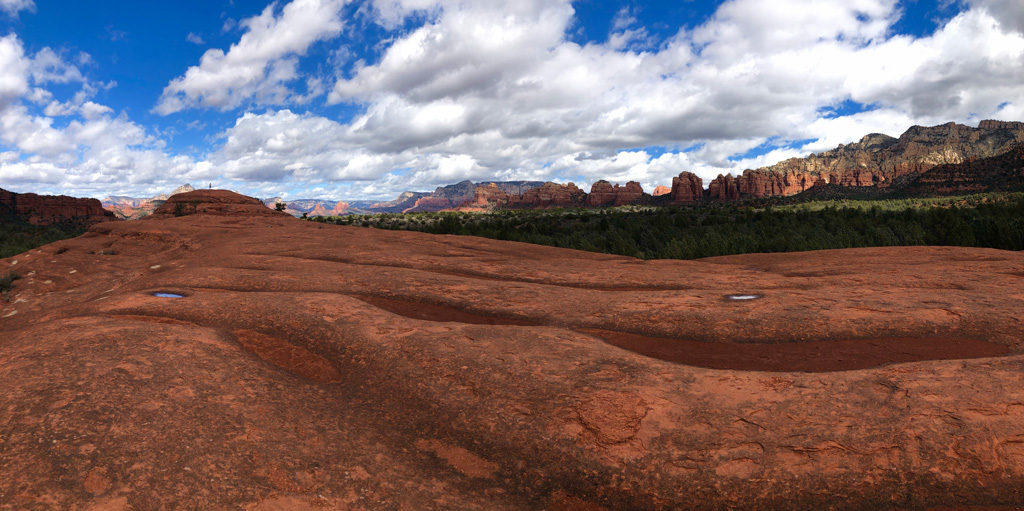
[762,183]
[52,209]
[1004,172]
[550,195]
[489,196]
[429,203]
[318,210]
[212,202]
[661,190]
[687,188]
[723,188]
[876,160]
[340,208]
[602,194]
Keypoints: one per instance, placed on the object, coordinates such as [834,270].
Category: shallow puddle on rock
[742,298]
[168,295]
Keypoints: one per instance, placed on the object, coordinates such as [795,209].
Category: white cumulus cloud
[259,67]
[96,152]
[491,89]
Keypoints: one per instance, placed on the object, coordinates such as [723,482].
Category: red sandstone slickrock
[312,366]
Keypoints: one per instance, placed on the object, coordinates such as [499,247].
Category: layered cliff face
[53,209]
[687,188]
[602,193]
[485,196]
[1004,172]
[550,195]
[876,160]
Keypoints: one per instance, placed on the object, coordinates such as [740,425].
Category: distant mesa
[661,190]
[52,209]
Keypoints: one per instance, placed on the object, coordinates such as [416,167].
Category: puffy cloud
[260,65]
[13,7]
[13,70]
[195,38]
[1009,12]
[505,87]
[48,66]
[490,89]
[94,153]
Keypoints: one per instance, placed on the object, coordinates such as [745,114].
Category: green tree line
[993,221]
[17,237]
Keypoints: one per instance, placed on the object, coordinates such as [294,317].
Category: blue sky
[367,98]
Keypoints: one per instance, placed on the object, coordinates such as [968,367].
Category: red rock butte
[213,202]
[311,366]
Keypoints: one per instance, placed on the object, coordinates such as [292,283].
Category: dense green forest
[17,237]
[690,232]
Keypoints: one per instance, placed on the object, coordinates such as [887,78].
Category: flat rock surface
[310,366]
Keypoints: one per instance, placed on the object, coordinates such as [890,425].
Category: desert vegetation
[17,237]
[706,230]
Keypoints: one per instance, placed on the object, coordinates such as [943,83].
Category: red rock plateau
[309,366]
[52,209]
[661,190]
